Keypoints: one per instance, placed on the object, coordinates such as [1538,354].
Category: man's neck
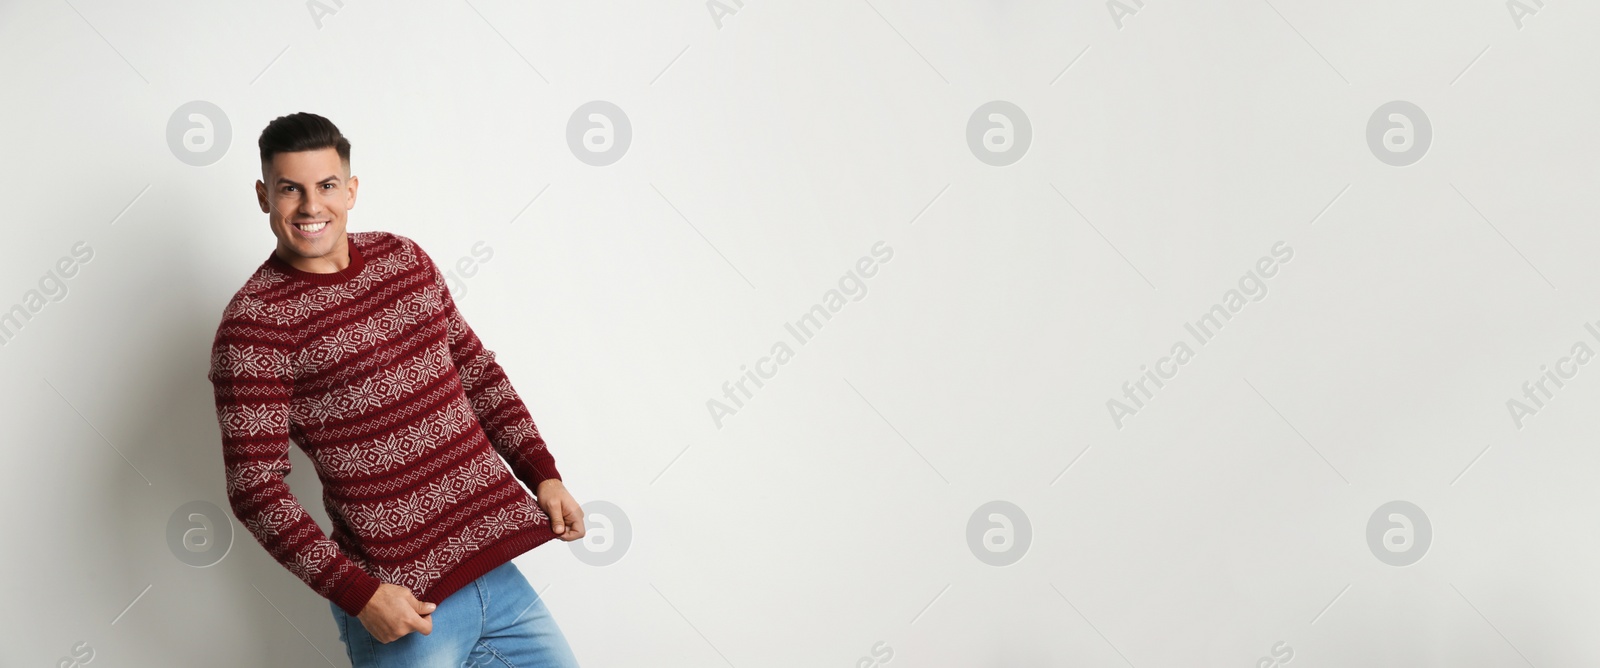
[334,262]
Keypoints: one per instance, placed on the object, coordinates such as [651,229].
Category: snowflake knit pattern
[407,418]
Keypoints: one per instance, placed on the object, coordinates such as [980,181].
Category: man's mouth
[311,229]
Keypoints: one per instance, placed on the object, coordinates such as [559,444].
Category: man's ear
[353,183]
[261,196]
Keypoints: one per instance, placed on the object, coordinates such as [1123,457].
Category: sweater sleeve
[252,381]
[504,417]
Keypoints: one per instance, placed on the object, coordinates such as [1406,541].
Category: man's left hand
[566,517]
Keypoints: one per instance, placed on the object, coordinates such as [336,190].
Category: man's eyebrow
[335,178]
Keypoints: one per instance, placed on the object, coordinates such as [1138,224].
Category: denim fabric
[496,621]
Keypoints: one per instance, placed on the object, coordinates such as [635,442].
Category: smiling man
[351,345]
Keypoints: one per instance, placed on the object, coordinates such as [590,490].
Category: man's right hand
[393,612]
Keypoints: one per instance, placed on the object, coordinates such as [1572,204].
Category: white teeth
[313,227]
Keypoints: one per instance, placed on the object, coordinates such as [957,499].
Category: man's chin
[313,248]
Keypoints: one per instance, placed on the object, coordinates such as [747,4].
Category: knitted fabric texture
[407,418]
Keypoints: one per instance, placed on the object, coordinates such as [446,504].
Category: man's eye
[327,185]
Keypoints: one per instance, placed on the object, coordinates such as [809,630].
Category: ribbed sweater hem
[487,560]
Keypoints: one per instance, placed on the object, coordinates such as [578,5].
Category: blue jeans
[497,620]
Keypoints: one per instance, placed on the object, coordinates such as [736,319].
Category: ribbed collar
[332,278]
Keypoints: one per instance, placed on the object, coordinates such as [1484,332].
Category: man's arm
[504,417]
[252,384]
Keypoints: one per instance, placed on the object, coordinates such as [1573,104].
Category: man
[351,345]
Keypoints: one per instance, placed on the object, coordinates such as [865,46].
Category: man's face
[307,194]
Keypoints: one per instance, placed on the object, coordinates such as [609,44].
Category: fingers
[557,513]
[574,522]
[418,623]
[414,617]
[421,621]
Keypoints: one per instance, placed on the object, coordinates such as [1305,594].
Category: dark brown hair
[302,131]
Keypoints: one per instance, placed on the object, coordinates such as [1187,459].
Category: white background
[829,515]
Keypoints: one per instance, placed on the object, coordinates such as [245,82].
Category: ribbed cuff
[354,597]
[545,470]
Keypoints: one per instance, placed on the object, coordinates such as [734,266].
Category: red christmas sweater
[407,418]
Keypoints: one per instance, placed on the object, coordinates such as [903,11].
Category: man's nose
[309,205]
